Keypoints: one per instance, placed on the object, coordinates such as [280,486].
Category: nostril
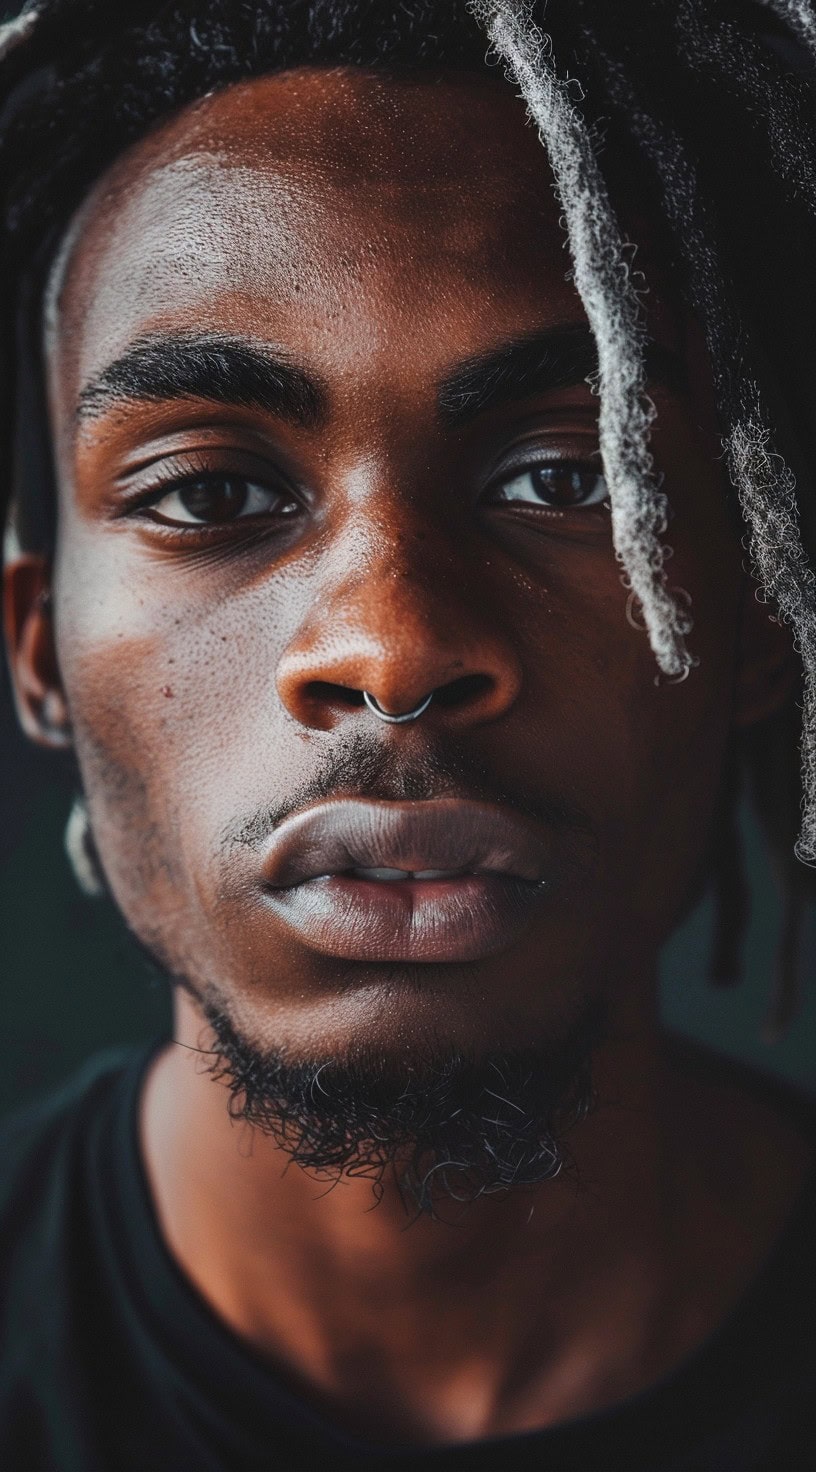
[467,689]
[323,699]
[324,692]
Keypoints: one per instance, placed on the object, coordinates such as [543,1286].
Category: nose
[399,625]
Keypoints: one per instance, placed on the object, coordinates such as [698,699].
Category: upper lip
[444,833]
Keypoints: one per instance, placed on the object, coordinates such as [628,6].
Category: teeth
[391,876]
[387,876]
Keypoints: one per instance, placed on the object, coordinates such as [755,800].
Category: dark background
[72,980]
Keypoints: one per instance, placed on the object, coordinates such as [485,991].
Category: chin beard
[449,1125]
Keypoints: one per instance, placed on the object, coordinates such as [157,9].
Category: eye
[557,485]
[212,500]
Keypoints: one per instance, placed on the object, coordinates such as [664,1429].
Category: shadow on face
[318,392]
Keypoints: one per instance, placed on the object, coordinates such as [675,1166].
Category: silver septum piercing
[382,715]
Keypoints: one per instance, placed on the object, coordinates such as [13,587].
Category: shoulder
[49,1246]
[43,1154]
[36,1131]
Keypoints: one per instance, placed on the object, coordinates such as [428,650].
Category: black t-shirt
[111,1362]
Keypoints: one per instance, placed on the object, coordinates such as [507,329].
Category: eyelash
[589,465]
[170,479]
[177,474]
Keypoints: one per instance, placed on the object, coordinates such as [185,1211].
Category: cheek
[630,744]
[640,755]
[174,711]
[170,675]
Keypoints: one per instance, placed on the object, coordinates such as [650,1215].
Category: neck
[508,1315]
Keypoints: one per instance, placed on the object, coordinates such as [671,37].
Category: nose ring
[382,715]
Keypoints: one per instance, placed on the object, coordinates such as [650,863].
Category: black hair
[456,1128]
[711,102]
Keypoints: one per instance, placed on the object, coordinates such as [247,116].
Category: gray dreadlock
[603,280]
[767,491]
[799,15]
[765,484]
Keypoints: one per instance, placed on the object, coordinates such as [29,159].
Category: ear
[42,708]
[768,669]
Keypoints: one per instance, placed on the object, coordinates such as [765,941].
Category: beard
[446,1122]
[447,1126]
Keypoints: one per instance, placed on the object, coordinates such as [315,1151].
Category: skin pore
[379,237]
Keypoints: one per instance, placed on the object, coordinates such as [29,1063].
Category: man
[402,745]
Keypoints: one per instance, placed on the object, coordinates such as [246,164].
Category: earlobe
[42,708]
[769,669]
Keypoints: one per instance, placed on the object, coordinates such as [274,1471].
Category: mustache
[362,766]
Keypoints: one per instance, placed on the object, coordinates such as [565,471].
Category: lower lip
[460,919]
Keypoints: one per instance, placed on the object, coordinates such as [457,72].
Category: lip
[503,859]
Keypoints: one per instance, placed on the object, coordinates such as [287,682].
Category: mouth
[443,880]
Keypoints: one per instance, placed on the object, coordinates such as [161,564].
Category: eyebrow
[208,366]
[538,363]
[232,371]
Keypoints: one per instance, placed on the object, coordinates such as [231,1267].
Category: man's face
[409,504]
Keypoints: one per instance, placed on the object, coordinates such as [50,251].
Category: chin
[404,1011]
[442,1109]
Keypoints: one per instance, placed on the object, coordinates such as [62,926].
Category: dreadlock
[800,17]
[710,102]
[639,513]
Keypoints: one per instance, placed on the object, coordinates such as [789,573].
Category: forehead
[311,189]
